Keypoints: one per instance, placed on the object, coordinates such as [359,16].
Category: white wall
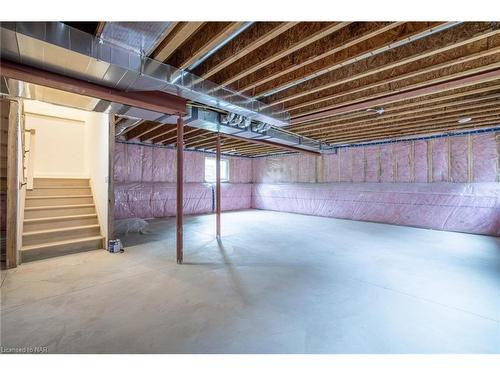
[96,142]
[72,143]
[60,134]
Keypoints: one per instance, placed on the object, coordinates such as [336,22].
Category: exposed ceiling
[320,69]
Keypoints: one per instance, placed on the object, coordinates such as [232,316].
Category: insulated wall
[444,183]
[145,182]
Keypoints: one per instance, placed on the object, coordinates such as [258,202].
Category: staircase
[59,218]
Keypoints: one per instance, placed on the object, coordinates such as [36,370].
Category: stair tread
[65,242]
[57,196]
[55,218]
[59,206]
[66,229]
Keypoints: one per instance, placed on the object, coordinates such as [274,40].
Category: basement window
[210,165]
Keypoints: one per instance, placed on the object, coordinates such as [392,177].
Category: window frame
[224,163]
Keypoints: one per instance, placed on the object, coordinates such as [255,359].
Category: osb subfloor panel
[278,283]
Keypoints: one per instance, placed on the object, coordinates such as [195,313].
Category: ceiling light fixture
[464,120]
[379,111]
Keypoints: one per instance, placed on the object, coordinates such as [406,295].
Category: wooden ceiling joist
[342,39]
[372,128]
[180,32]
[142,129]
[425,48]
[420,130]
[252,38]
[415,79]
[473,79]
[409,114]
[206,38]
[440,99]
[344,55]
[413,105]
[157,132]
[289,41]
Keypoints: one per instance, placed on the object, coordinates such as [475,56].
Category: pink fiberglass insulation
[458,157]
[485,158]
[236,196]
[307,168]
[134,163]
[345,157]
[138,163]
[289,168]
[120,165]
[402,157]
[158,199]
[358,164]
[372,164]
[330,168]
[471,208]
[240,170]
[386,163]
[420,164]
[147,164]
[163,165]
[439,159]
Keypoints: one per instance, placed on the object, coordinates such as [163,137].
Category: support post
[180,188]
[217,187]
[111,179]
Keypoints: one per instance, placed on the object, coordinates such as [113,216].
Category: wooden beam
[371,117]
[251,39]
[403,124]
[157,132]
[362,97]
[151,100]
[100,28]
[270,143]
[207,37]
[142,129]
[410,107]
[431,129]
[198,144]
[180,32]
[423,48]
[286,43]
[440,87]
[174,138]
[417,73]
[342,47]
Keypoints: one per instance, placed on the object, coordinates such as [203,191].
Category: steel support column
[217,187]
[180,188]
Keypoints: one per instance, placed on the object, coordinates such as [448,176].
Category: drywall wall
[60,151]
[96,146]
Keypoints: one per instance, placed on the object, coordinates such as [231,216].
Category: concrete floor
[278,283]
